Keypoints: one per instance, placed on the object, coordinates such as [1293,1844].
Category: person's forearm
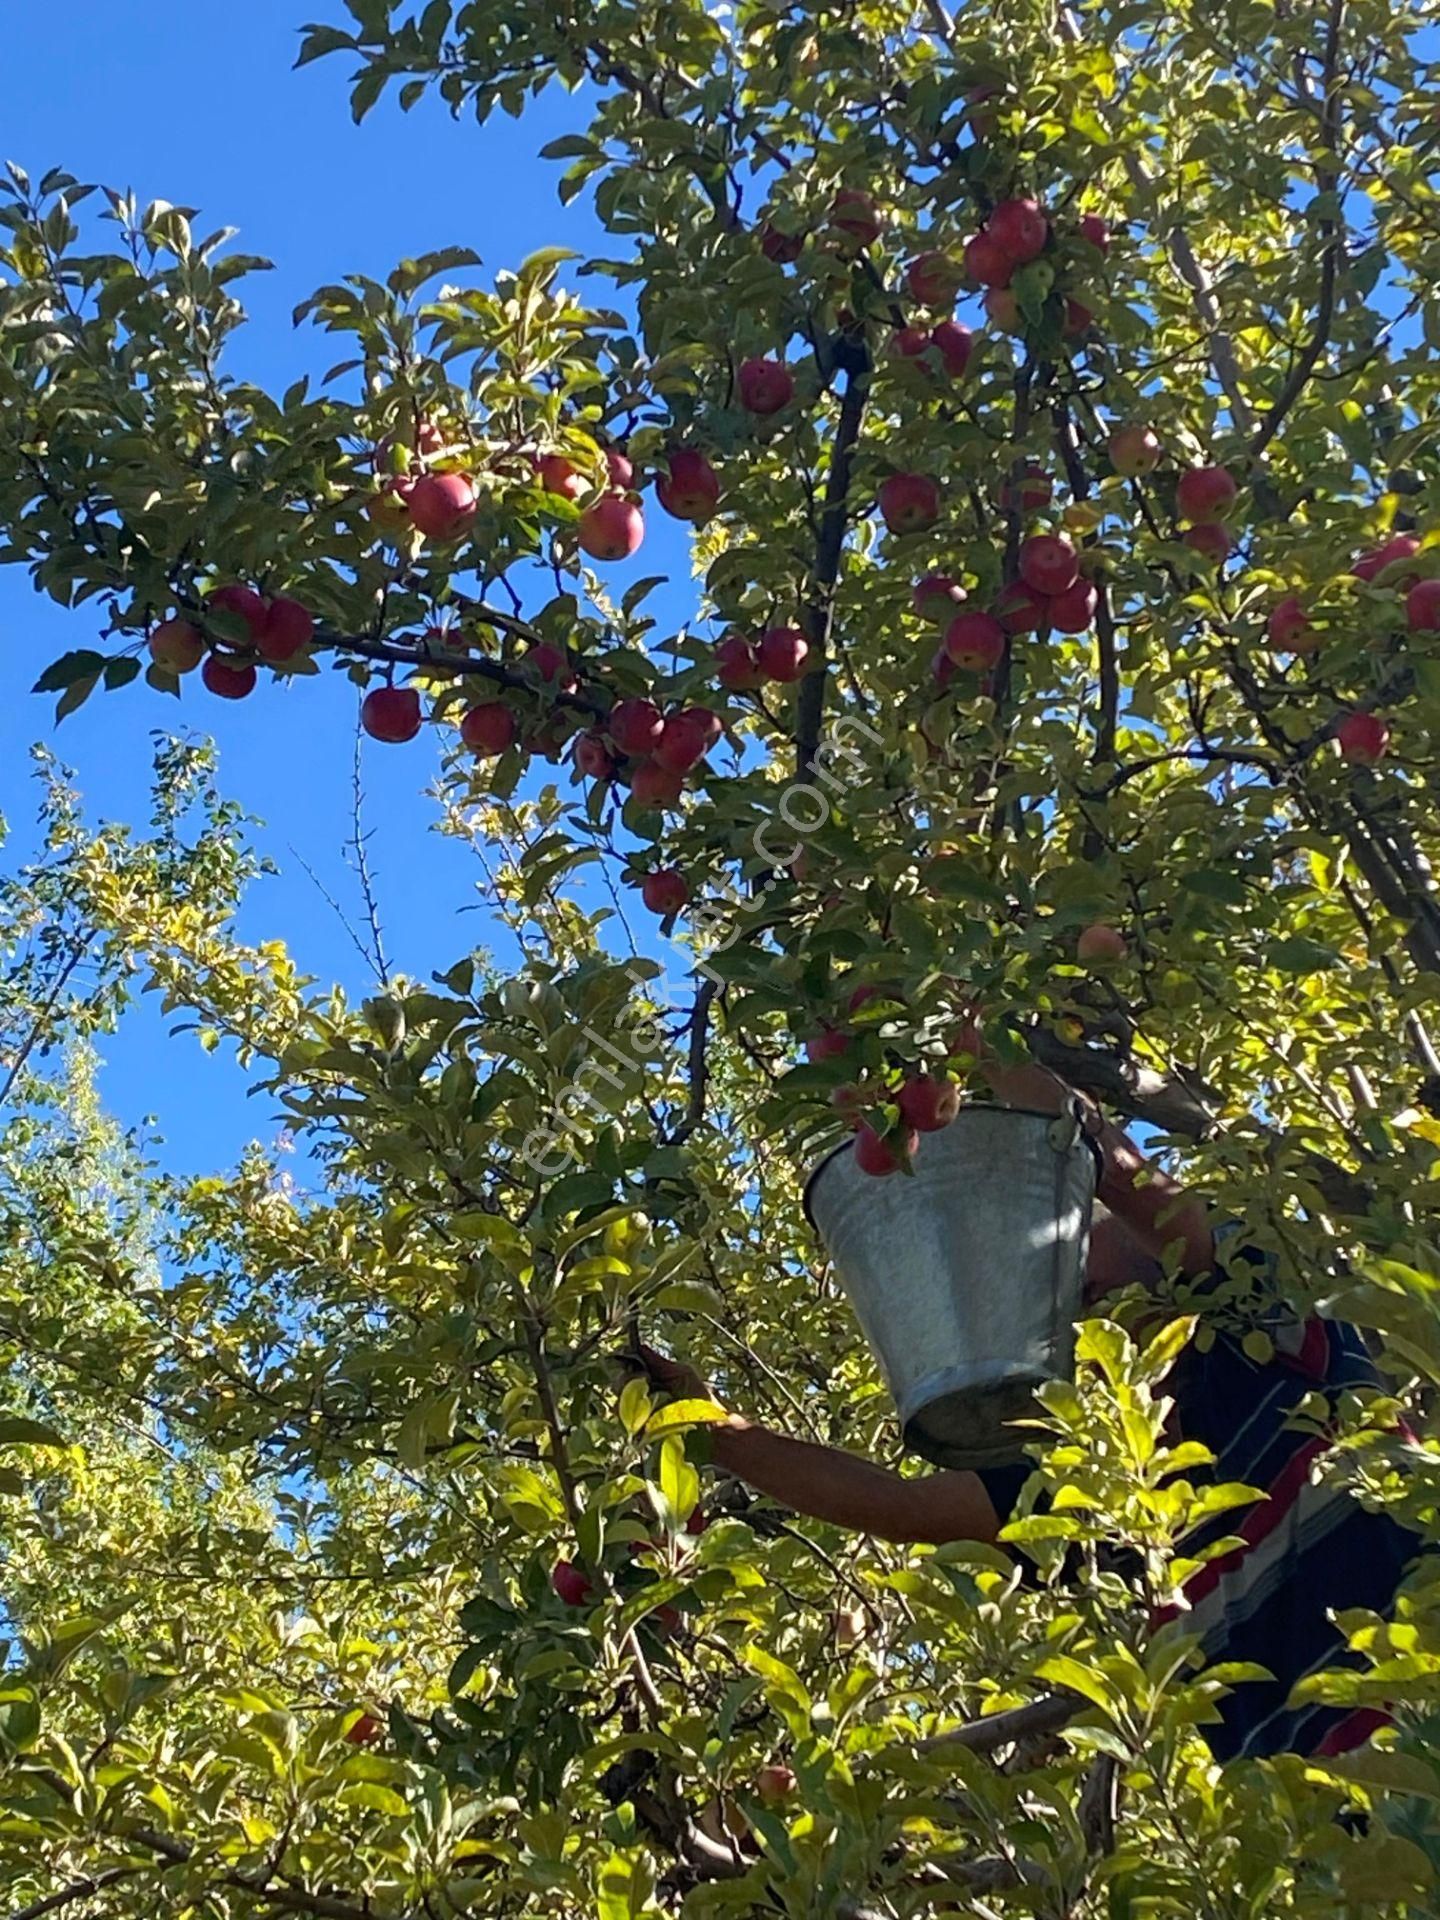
[828,1484]
[1158,1211]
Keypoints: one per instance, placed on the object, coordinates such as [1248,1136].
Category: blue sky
[198,105]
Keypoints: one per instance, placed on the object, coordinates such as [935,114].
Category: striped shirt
[1309,1549]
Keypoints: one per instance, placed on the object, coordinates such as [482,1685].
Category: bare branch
[1048,1714]
[820,605]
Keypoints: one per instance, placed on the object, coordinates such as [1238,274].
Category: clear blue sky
[198,105]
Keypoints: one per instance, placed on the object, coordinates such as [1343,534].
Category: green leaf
[1061,1671]
[485,1229]
[120,671]
[624,1887]
[83,664]
[18,1431]
[320,41]
[684,1413]
[1298,954]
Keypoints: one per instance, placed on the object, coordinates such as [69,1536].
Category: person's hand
[675,1377]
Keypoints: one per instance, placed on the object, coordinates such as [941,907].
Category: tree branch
[829,546]
[1328,183]
[1048,1714]
[77,1890]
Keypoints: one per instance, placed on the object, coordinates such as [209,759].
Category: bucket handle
[1072,1124]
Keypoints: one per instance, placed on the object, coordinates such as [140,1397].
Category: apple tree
[1050,400]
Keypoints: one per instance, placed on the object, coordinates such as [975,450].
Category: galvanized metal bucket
[966,1277]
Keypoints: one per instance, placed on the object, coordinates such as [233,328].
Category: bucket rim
[971,1106]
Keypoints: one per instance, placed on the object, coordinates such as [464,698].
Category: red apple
[697,1523]
[928,1104]
[909,502]
[853,215]
[1019,229]
[879,1154]
[557,475]
[975,641]
[1028,492]
[782,654]
[1073,610]
[635,726]
[550,666]
[656,786]
[1096,231]
[664,892]
[954,344]
[1002,310]
[774,1784]
[620,468]
[910,342]
[737,667]
[943,668]
[690,486]
[592,757]
[687,737]
[178,646]
[611,528]
[1211,539]
[571,1583]
[849,1102]
[986,262]
[1422,607]
[232,679]
[765,386]
[1078,319]
[244,603]
[391,714]
[288,628]
[1289,629]
[1100,945]
[1205,494]
[1049,563]
[1020,609]
[1370,565]
[1363,739]
[936,597]
[489,728]
[933,279]
[364,1731]
[829,1044]
[442,505]
[1134,451]
[781,247]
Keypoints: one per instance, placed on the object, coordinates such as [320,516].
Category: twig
[362,866]
[1327,180]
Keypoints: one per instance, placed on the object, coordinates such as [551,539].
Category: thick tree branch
[819,613]
[1048,1714]
[77,1890]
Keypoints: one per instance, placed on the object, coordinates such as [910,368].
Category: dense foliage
[291,1455]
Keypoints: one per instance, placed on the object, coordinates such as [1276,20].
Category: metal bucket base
[962,1415]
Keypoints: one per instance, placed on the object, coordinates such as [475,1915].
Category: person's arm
[1157,1210]
[826,1483]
